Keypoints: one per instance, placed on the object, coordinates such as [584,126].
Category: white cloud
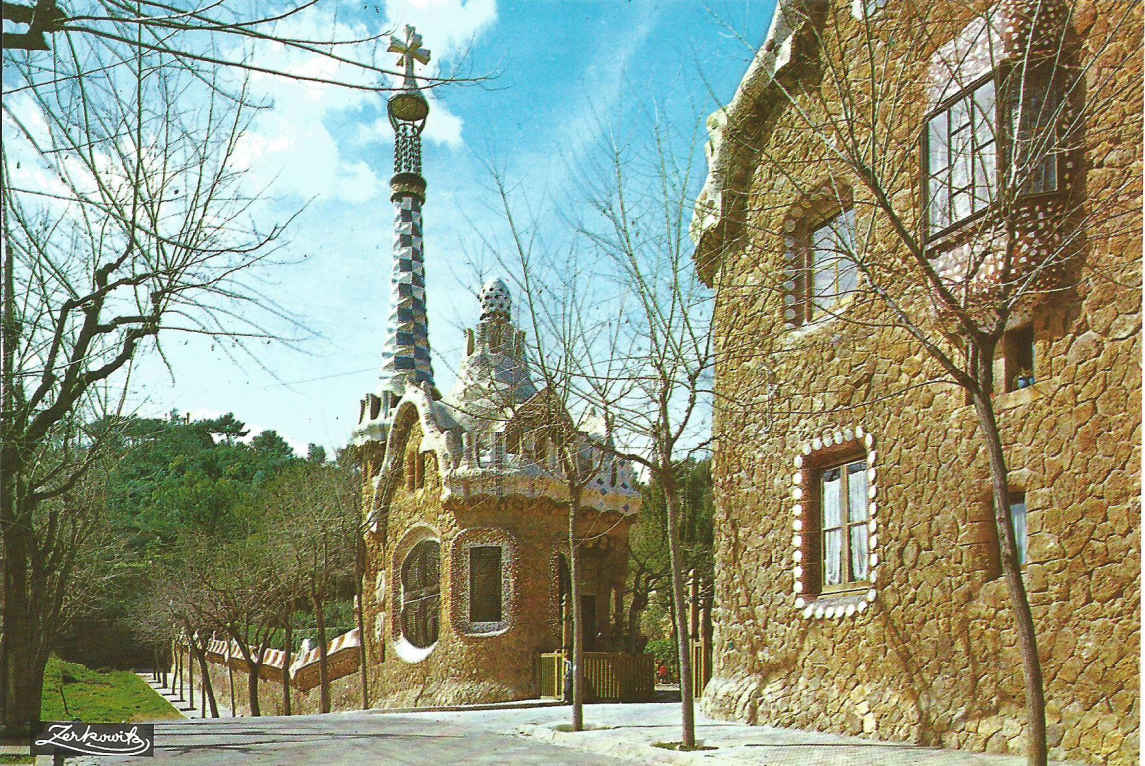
[299,148]
[448,27]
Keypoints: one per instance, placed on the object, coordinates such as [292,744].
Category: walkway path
[183,705]
[497,735]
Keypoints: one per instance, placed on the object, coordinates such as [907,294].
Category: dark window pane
[421,593]
[485,583]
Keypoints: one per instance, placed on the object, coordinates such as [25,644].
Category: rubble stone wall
[345,692]
[465,667]
[932,657]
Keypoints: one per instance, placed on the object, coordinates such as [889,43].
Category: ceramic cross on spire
[409,52]
[405,353]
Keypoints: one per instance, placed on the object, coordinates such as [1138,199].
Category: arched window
[421,594]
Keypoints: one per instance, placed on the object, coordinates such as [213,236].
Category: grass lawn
[94,696]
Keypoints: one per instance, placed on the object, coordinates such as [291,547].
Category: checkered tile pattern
[405,355]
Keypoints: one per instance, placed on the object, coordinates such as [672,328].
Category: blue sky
[564,71]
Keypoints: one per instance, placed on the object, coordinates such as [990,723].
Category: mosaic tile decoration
[405,355]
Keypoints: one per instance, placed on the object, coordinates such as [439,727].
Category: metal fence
[609,676]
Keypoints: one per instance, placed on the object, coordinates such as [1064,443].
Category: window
[1018,520]
[1018,358]
[962,150]
[843,524]
[835,559]
[824,263]
[421,594]
[961,157]
[832,266]
[1034,161]
[865,9]
[485,583]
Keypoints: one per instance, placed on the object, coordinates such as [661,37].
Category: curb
[521,705]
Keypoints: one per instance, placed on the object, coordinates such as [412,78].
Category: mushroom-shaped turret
[494,376]
[495,301]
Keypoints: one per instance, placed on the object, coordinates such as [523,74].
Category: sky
[560,72]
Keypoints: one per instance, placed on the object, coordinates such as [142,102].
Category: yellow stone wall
[482,668]
[933,659]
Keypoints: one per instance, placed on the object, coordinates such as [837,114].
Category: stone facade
[924,650]
[469,489]
[479,470]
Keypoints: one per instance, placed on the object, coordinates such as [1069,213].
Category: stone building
[855,587]
[464,499]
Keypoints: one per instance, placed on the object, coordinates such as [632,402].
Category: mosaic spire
[405,355]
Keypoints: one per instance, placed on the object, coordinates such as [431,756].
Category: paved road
[347,738]
[506,736]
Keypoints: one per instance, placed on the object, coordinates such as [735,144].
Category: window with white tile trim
[835,530]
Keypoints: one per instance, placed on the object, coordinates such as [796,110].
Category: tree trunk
[636,608]
[190,677]
[286,668]
[23,660]
[252,685]
[1011,571]
[360,561]
[231,679]
[323,668]
[680,616]
[207,691]
[577,616]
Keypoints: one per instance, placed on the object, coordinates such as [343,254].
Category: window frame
[802,257]
[849,583]
[944,106]
[834,446]
[499,578]
[461,600]
[1004,143]
[1021,541]
[1019,353]
[410,596]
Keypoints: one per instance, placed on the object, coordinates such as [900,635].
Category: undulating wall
[928,654]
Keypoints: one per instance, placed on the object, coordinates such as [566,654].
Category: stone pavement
[525,733]
[183,705]
[630,731]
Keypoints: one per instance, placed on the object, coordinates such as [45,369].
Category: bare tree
[631,348]
[123,218]
[951,263]
[75,559]
[125,221]
[311,518]
[234,588]
[653,383]
[242,39]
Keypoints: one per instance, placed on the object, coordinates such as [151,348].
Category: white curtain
[832,517]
